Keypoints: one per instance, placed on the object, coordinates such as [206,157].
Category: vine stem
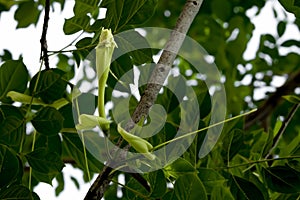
[155,83]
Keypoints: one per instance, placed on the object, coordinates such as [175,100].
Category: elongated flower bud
[104,52]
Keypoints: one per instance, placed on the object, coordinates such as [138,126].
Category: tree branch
[155,83]
[273,101]
[43,40]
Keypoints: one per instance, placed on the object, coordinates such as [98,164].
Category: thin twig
[155,83]
[282,128]
[43,40]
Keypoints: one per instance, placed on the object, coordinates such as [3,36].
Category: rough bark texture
[155,83]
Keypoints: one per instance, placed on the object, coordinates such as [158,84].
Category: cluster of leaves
[38,135]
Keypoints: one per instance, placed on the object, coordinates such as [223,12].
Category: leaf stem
[83,143]
[203,129]
[30,168]
[258,161]
[71,50]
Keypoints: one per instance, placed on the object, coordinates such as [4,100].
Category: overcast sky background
[26,42]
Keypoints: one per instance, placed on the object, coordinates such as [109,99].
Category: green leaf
[61,184]
[269,141]
[295,164]
[244,189]
[6,55]
[18,192]
[12,130]
[281,27]
[5,5]
[27,13]
[222,9]
[234,49]
[9,110]
[170,195]
[50,143]
[111,192]
[73,148]
[50,86]
[189,187]
[136,46]
[13,76]
[48,121]
[234,142]
[178,168]
[64,65]
[268,37]
[221,192]
[45,161]
[67,113]
[138,12]
[75,181]
[12,127]
[211,179]
[282,179]
[122,13]
[292,98]
[45,164]
[85,47]
[43,177]
[158,183]
[290,43]
[137,187]
[296,151]
[291,6]
[75,24]
[82,7]
[9,166]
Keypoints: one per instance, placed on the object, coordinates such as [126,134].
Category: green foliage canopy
[261,161]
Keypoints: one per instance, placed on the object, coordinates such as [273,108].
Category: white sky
[26,42]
